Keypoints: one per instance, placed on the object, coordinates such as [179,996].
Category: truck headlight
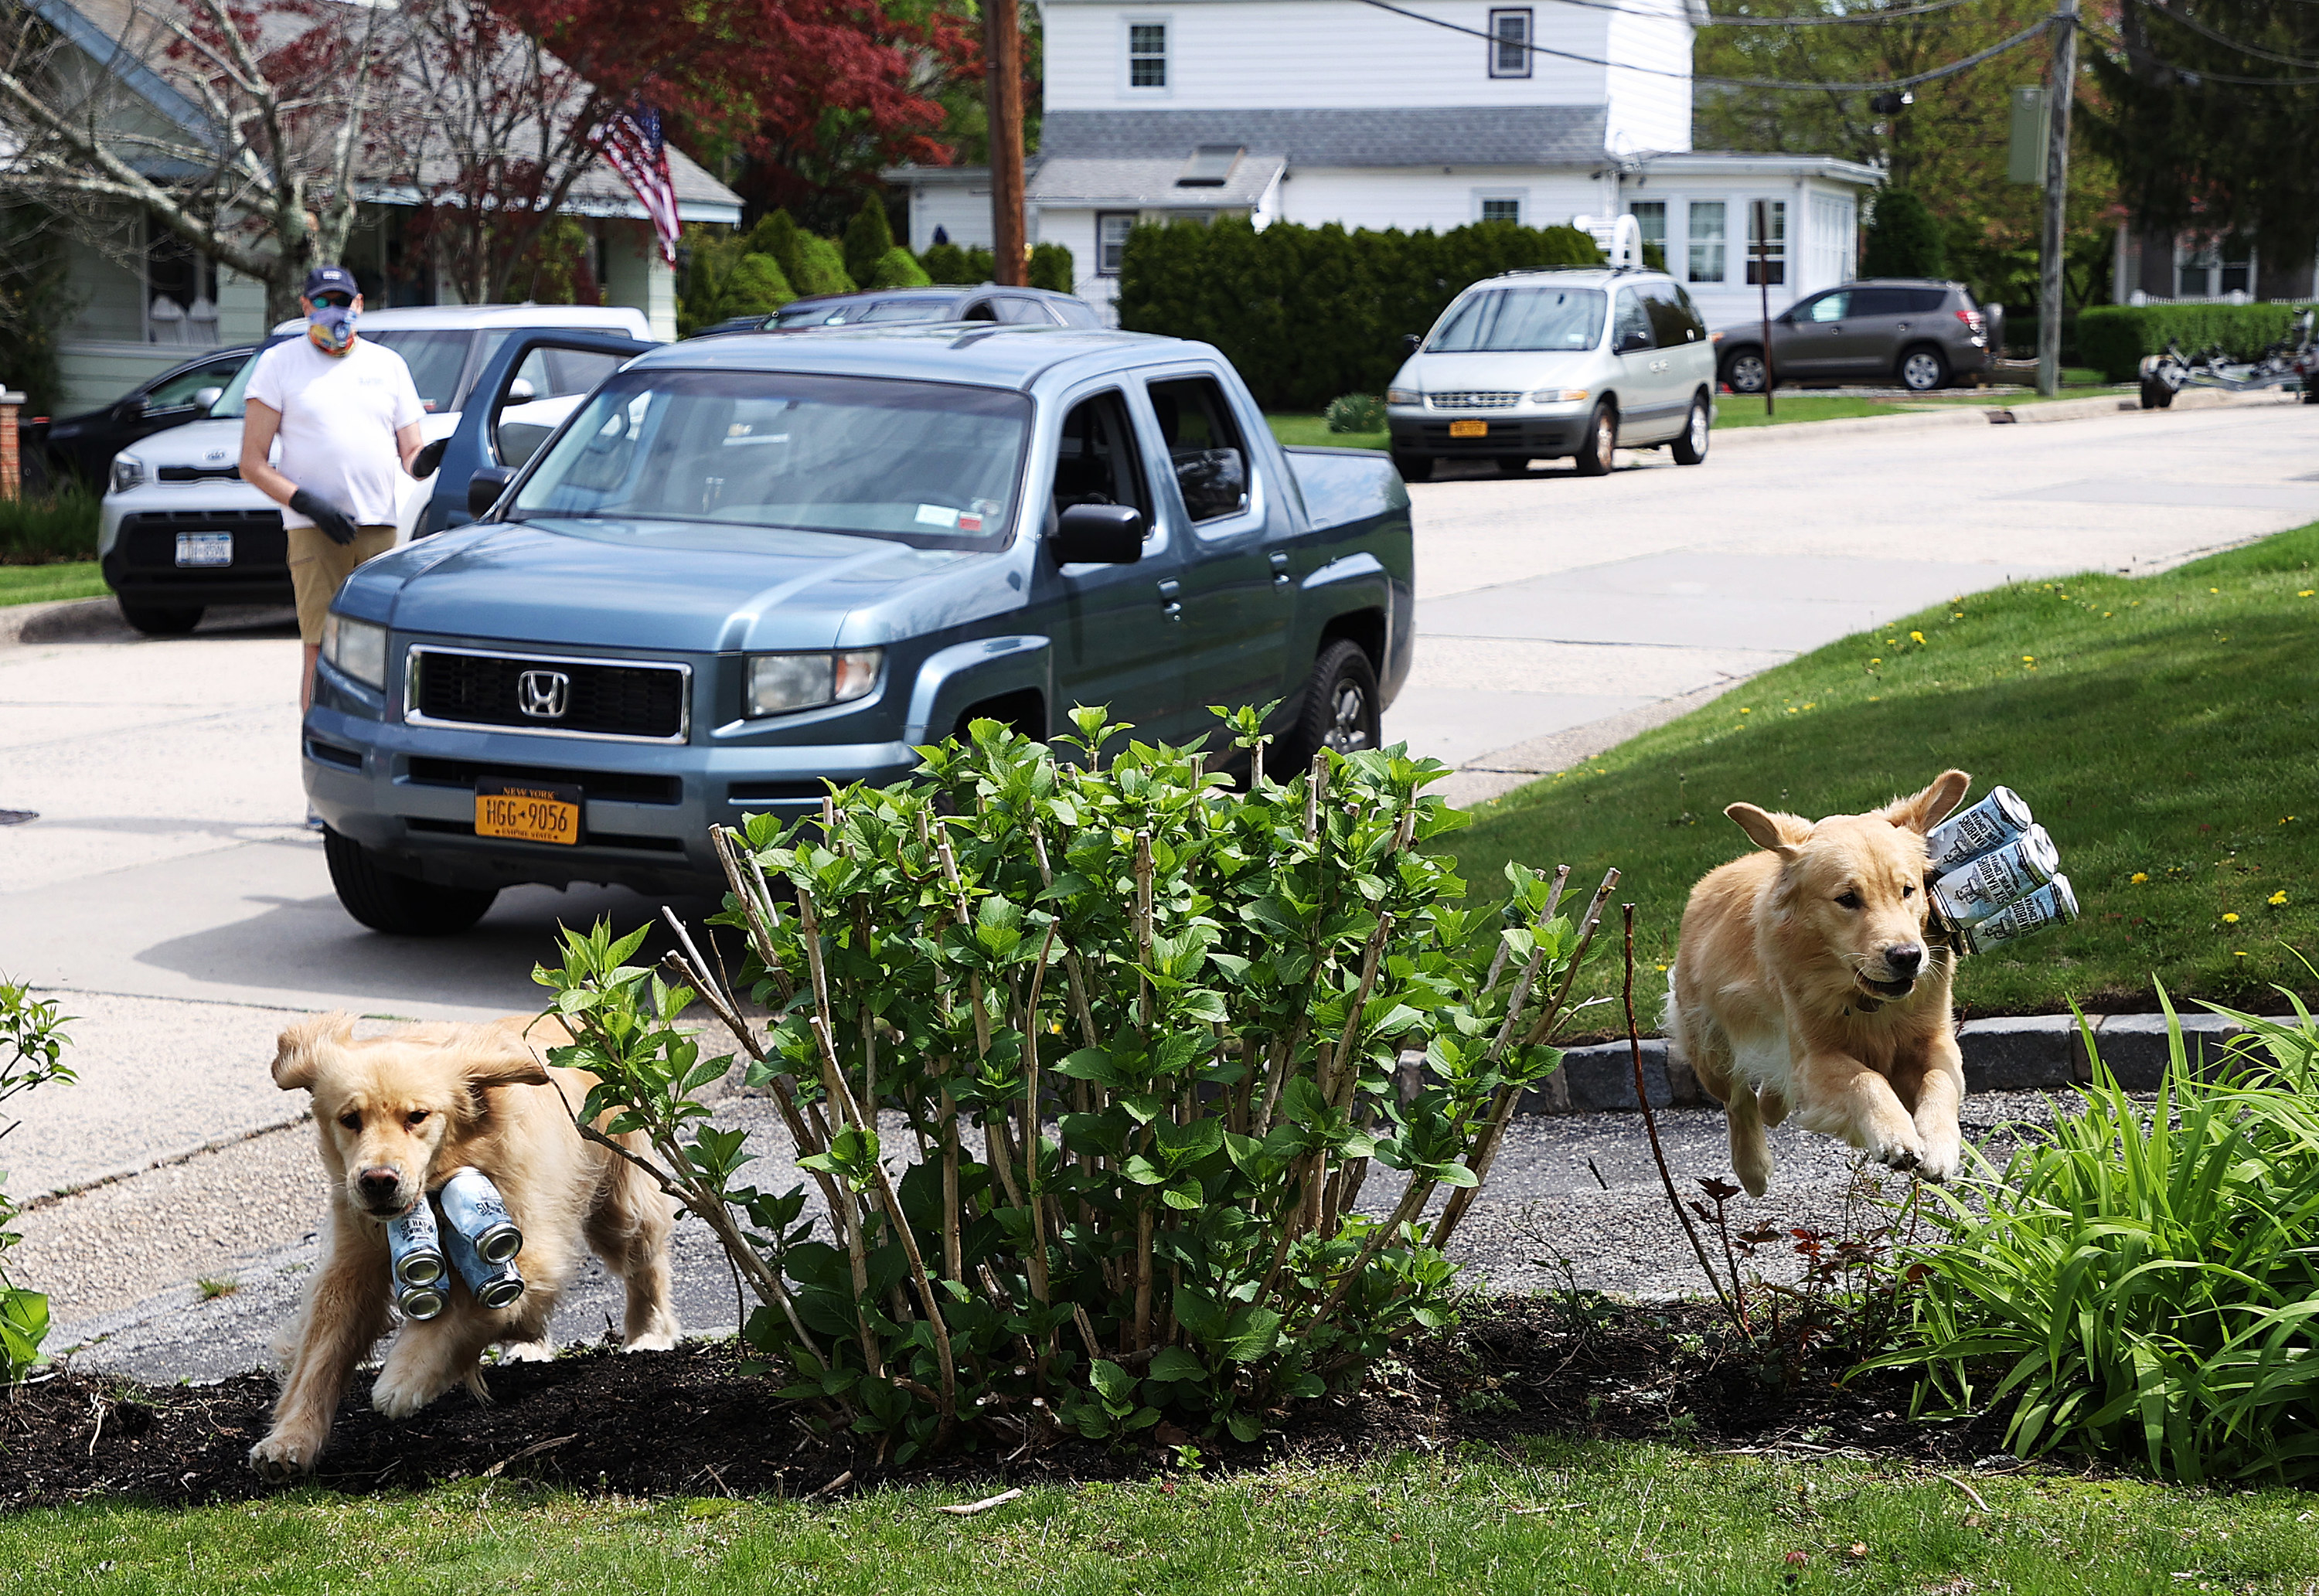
[357,647]
[1558,396]
[1404,396]
[128,472]
[782,683]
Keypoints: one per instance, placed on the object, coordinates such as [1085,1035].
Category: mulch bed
[689,1422]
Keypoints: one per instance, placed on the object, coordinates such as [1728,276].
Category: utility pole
[1760,247]
[1002,56]
[2057,197]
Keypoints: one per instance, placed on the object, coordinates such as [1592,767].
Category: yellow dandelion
[2229,919]
[1791,710]
[2139,876]
[2306,592]
[2214,590]
[1874,699]
[2276,899]
[2238,953]
[1751,712]
[2106,614]
[2028,659]
[1878,661]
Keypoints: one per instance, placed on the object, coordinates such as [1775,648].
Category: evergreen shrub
[868,237]
[821,267]
[1355,413]
[946,264]
[898,268]
[2114,338]
[1904,239]
[1051,267]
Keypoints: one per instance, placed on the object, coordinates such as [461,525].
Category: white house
[1427,113]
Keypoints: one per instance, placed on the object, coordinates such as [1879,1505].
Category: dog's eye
[416,1116]
[1907,892]
[1850,900]
[352,1122]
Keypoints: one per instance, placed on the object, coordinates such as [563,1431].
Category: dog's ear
[297,1051]
[490,1057]
[1926,810]
[1779,833]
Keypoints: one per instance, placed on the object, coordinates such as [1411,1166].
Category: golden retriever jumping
[396,1115]
[1804,983]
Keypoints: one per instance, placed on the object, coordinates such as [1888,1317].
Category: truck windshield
[1540,317]
[933,464]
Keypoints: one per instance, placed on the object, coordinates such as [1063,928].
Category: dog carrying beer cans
[1996,874]
[2054,903]
[473,1207]
[1967,834]
[1977,890]
[415,1244]
[495,1284]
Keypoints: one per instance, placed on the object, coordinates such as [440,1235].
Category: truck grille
[598,698]
[1472,400]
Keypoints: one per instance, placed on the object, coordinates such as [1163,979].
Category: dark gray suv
[1916,332]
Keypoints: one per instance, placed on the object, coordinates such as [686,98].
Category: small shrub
[46,531]
[1204,994]
[2142,1281]
[821,267]
[32,1054]
[946,264]
[1355,413]
[2114,338]
[1051,267]
[898,268]
[868,237]
[777,234]
[1904,239]
[981,265]
[757,287]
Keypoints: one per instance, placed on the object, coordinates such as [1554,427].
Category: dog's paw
[660,1337]
[399,1393]
[1940,1164]
[285,1455]
[1894,1153]
[543,1350]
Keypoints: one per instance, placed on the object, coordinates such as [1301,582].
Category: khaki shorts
[319,568]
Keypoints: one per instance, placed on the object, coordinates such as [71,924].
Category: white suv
[180,530]
[1575,362]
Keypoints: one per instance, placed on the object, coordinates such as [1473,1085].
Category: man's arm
[260,422]
[406,441]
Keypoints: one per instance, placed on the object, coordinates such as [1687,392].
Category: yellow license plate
[1469,429]
[527,812]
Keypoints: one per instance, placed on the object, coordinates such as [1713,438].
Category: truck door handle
[1280,571]
[1169,604]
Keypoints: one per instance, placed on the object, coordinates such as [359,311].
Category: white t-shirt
[339,415]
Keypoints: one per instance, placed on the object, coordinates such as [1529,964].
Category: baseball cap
[329,279]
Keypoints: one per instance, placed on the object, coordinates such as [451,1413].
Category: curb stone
[2050,411]
[59,620]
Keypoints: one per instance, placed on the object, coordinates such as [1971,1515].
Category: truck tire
[157,620]
[1598,449]
[1413,468]
[1339,710]
[1690,445]
[2311,389]
[399,905]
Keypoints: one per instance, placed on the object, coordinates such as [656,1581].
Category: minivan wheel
[160,621]
[1690,442]
[1922,370]
[1413,468]
[1743,373]
[1339,710]
[1598,450]
[399,905]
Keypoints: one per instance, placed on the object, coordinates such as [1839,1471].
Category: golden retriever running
[395,1116]
[1803,982]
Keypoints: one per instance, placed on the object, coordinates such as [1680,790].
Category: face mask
[332,329]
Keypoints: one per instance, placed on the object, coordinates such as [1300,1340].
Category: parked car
[180,530]
[83,446]
[747,565]
[1919,332]
[1575,362]
[983,301]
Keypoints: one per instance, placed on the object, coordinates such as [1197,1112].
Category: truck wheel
[2311,389]
[1922,369]
[1690,442]
[156,620]
[1413,468]
[1743,371]
[1338,710]
[399,905]
[1598,450]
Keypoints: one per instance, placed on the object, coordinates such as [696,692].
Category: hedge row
[1308,313]
[2114,338]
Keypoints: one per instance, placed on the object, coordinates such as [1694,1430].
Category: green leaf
[1255,1332]
[1174,1363]
[1115,1384]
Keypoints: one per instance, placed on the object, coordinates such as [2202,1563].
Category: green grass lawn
[1732,409]
[37,584]
[1532,1516]
[2163,729]
[1291,428]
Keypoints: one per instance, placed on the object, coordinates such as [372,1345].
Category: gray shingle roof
[1404,135]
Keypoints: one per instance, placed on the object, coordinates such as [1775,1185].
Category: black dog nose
[379,1185]
[1903,961]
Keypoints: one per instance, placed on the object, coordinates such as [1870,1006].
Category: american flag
[631,142]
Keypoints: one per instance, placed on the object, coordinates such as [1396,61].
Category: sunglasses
[339,299]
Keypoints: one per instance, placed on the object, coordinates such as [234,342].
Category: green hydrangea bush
[1090,1059]
[32,1054]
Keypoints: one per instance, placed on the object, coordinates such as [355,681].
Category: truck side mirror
[485,488]
[1411,342]
[1097,535]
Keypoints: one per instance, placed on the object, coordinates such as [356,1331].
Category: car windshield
[435,360]
[933,464]
[1541,317]
[812,315]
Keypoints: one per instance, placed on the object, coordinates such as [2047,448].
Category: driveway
[167,895]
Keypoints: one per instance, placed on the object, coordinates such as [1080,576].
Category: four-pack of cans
[1997,876]
[474,1234]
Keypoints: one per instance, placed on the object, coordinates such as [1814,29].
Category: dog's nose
[378,1186]
[1904,960]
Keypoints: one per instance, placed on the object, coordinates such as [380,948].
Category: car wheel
[1598,450]
[1922,369]
[2311,389]
[1690,442]
[161,620]
[1338,710]
[1413,468]
[1743,372]
[399,905]
[1513,465]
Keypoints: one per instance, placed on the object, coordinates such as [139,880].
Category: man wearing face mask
[347,414]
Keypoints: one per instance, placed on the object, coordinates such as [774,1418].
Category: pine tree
[867,239]
[1904,241]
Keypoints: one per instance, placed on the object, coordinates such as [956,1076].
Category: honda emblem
[543,695]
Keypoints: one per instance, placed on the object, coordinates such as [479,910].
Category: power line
[2196,26]
[2197,74]
[1717,19]
[2034,31]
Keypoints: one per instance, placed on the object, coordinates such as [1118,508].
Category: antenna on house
[1620,238]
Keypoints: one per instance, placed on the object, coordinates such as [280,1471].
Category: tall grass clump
[1088,1063]
[2142,1281]
[49,531]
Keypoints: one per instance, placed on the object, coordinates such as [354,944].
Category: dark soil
[691,1422]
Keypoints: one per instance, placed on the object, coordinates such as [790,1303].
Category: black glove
[334,523]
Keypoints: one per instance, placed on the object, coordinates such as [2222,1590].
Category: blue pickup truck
[747,565]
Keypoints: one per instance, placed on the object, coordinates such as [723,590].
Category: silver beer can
[1984,828]
[2054,903]
[472,1207]
[420,1301]
[1977,890]
[494,1285]
[416,1246]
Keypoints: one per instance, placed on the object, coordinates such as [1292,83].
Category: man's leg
[319,568]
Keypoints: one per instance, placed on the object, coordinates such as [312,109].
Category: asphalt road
[168,896]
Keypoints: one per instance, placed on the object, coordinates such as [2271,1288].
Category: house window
[180,292]
[2219,267]
[1650,218]
[1147,55]
[1502,208]
[1771,266]
[1510,36]
[1111,231]
[1706,241]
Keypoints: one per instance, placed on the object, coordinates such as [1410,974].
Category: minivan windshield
[933,464]
[1526,316]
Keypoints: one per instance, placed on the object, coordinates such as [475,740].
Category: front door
[1810,340]
[1642,372]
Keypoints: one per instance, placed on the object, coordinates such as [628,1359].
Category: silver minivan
[1575,361]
